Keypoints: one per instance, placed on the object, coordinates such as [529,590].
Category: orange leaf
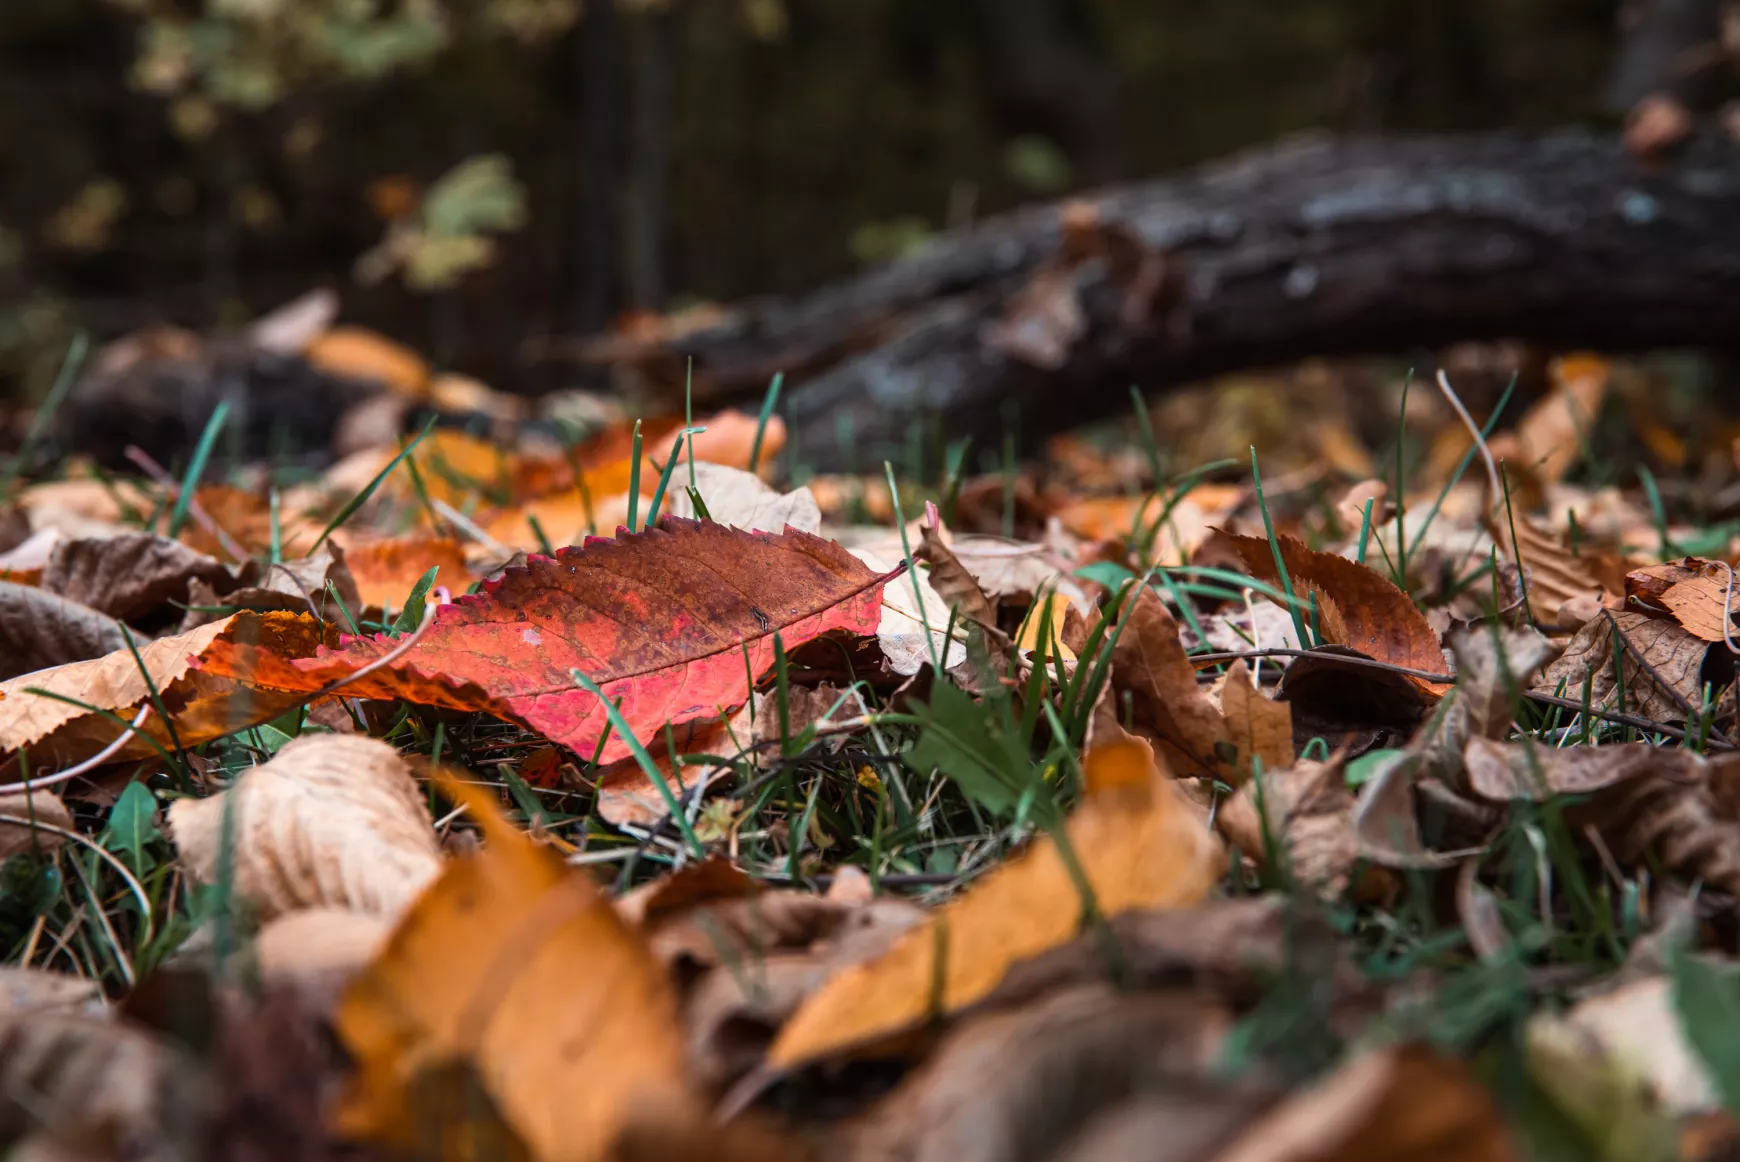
[513,965]
[358,353]
[385,570]
[1377,619]
[1138,843]
[670,622]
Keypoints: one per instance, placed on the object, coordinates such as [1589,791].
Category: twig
[1680,700]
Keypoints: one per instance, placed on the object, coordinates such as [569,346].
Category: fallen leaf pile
[501,793]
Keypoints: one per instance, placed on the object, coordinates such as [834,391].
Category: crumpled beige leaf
[39,629]
[1306,812]
[1139,845]
[39,806]
[35,990]
[316,952]
[109,1087]
[1018,569]
[743,500]
[131,575]
[904,621]
[1619,1065]
[1675,655]
[952,580]
[332,820]
[291,586]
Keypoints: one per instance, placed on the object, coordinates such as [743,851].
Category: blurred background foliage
[474,174]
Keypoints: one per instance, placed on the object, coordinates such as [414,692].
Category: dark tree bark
[1309,247]
[599,52]
[653,34]
[1669,47]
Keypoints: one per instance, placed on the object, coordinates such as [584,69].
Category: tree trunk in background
[599,41]
[1310,247]
[653,34]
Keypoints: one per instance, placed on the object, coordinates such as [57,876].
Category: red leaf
[658,619]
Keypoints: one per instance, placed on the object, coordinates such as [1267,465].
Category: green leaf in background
[1361,769]
[411,616]
[1107,573]
[132,823]
[963,739]
[1707,995]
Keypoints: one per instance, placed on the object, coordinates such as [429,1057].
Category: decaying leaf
[1673,805]
[103,1085]
[1661,662]
[333,821]
[1375,617]
[1619,1066]
[1398,1102]
[1705,604]
[33,990]
[660,619]
[130,575]
[1150,665]
[1260,727]
[1493,667]
[1553,577]
[913,630]
[742,500]
[203,707]
[992,1090]
[512,967]
[315,953]
[20,811]
[1301,814]
[40,629]
[628,796]
[952,580]
[319,584]
[1138,844]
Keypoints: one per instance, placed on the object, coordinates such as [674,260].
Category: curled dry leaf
[33,990]
[204,707]
[39,629]
[1644,801]
[1303,813]
[1620,1066]
[1261,728]
[1375,617]
[1553,576]
[953,581]
[385,570]
[1662,664]
[512,966]
[1705,605]
[309,583]
[1398,1102]
[131,575]
[101,1086]
[742,500]
[1150,666]
[1333,696]
[1139,845]
[1645,587]
[1492,668]
[332,820]
[914,625]
[990,1091]
[20,811]
[661,619]
[315,953]
[712,879]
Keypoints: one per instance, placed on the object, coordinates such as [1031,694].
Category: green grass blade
[196,466]
[768,403]
[362,497]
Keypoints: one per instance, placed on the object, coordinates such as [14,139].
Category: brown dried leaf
[1554,577]
[1376,618]
[109,1087]
[1150,665]
[1502,771]
[35,990]
[19,810]
[1645,587]
[1553,433]
[131,575]
[1675,656]
[1403,1102]
[952,581]
[1704,605]
[333,820]
[39,629]
[990,1091]
[1259,727]
[1305,811]
[299,586]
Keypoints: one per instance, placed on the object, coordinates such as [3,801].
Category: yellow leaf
[513,969]
[1140,847]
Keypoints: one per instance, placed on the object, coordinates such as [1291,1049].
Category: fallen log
[1046,317]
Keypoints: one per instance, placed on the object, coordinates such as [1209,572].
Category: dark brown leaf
[131,575]
[40,629]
